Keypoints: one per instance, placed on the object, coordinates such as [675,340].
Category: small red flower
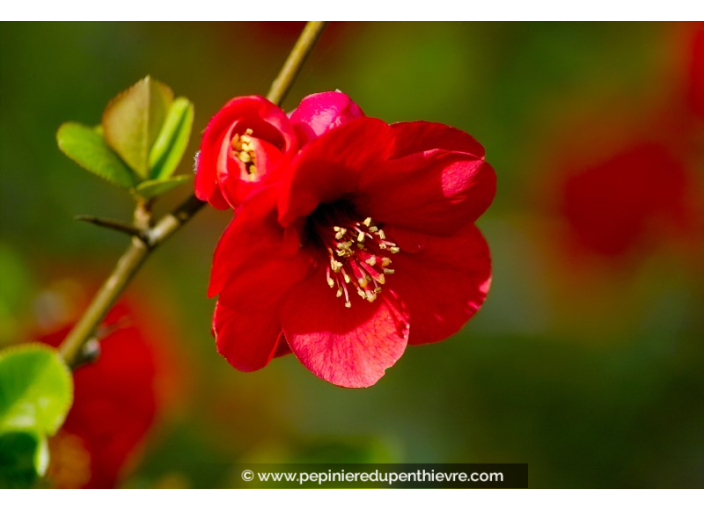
[366,243]
[242,147]
[250,139]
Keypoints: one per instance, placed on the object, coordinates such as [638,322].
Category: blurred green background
[586,360]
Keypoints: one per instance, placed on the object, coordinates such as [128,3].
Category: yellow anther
[389,271]
[371,297]
[362,282]
[394,249]
[338,293]
[347,278]
[244,157]
[331,282]
[381,234]
[367,222]
[385,261]
[360,237]
[348,304]
[371,261]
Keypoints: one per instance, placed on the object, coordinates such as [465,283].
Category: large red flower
[366,243]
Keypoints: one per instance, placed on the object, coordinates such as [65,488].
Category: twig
[295,61]
[120,226]
[142,245]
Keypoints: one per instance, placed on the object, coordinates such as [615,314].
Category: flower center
[358,254]
[243,149]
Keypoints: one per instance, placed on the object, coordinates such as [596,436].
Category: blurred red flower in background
[116,401]
[628,200]
[695,89]
[383,211]
[631,198]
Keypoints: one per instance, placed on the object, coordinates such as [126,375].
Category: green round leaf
[172,141]
[132,121]
[87,148]
[36,389]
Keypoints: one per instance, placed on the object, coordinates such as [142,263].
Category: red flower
[366,243]
[627,201]
[247,141]
[242,147]
[115,404]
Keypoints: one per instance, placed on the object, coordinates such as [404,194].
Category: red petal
[350,347]
[255,258]
[329,168]
[253,271]
[419,136]
[444,284]
[318,113]
[207,186]
[282,347]
[246,339]
[436,192]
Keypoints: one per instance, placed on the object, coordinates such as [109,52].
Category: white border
[361,10]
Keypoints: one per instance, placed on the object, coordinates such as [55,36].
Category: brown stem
[152,236]
[295,61]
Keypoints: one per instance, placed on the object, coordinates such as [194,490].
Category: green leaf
[24,456]
[132,121]
[156,187]
[87,148]
[36,389]
[172,141]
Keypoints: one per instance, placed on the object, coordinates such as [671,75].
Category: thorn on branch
[120,226]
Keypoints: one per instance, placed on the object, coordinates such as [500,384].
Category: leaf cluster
[140,142]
